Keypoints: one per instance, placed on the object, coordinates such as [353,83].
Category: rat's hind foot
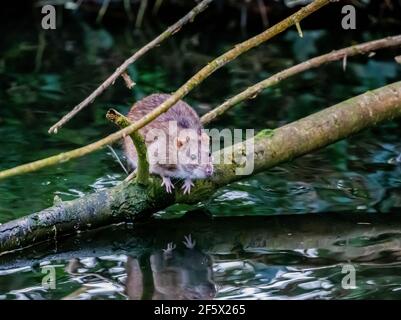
[188,242]
[169,250]
[167,184]
[187,186]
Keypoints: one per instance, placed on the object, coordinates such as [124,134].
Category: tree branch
[189,17]
[254,90]
[128,81]
[132,201]
[142,171]
[180,93]
[247,231]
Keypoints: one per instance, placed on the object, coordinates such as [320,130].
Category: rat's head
[193,149]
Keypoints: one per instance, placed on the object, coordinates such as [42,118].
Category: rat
[177,144]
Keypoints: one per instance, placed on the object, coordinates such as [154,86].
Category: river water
[309,222]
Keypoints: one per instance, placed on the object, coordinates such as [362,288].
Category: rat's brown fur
[185,118]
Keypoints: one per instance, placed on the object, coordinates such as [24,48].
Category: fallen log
[225,235]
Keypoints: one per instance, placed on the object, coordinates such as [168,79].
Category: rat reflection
[177,273]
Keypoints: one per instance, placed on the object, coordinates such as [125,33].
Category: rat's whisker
[115,155]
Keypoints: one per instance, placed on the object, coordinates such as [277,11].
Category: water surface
[44,75]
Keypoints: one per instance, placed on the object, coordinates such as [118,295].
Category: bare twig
[156,7]
[263,13]
[345,60]
[110,80]
[141,13]
[127,8]
[299,29]
[102,11]
[128,81]
[253,91]
[180,93]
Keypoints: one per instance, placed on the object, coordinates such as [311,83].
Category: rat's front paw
[167,184]
[188,184]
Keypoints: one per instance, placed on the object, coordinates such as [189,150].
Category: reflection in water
[177,274]
[287,257]
[180,275]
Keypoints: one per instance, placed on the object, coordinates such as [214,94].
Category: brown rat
[178,146]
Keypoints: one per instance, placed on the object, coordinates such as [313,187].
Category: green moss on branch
[142,172]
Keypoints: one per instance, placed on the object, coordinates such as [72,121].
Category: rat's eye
[193,156]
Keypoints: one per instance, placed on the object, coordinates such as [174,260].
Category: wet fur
[185,117]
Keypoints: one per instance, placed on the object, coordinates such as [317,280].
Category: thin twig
[128,81]
[127,8]
[110,80]
[102,11]
[253,91]
[299,29]
[263,13]
[40,50]
[141,13]
[345,58]
[172,100]
[156,7]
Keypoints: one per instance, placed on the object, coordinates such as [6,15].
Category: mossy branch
[142,171]
[254,90]
[189,17]
[198,78]
[132,201]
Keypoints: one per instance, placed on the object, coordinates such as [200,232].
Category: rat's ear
[179,142]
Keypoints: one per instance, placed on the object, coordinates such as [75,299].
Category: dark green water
[43,76]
